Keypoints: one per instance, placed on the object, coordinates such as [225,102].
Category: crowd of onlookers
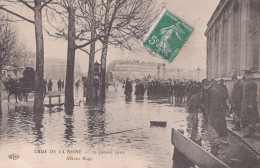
[213,99]
[213,102]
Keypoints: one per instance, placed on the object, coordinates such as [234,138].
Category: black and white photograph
[129,84]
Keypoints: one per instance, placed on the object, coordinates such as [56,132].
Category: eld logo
[13,156]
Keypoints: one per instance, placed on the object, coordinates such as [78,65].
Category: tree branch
[17,15]
[26,4]
[46,3]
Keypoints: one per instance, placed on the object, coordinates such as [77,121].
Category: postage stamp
[167,36]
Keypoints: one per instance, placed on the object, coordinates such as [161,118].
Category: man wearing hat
[236,99]
[249,111]
[215,116]
[224,94]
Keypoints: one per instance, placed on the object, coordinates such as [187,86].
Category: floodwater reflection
[102,126]
[69,130]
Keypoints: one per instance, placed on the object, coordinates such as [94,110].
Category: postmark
[167,36]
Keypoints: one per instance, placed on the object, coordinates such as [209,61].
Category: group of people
[139,89]
[49,85]
[181,90]
[158,89]
[212,101]
[153,88]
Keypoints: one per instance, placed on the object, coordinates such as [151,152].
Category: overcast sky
[193,55]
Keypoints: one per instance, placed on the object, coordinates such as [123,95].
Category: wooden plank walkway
[251,142]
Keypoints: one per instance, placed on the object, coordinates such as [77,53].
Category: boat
[194,152]
[158,123]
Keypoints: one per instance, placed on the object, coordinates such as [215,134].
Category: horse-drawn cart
[23,86]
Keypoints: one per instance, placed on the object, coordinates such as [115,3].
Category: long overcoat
[216,116]
[236,97]
[249,115]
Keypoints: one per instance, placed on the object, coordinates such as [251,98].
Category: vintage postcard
[129,83]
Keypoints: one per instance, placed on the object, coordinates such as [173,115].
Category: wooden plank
[194,152]
[158,123]
[53,105]
[54,95]
[250,142]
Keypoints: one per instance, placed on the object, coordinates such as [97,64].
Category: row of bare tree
[86,25]
[12,52]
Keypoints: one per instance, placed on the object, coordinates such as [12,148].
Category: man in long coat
[224,93]
[196,103]
[249,111]
[216,117]
[236,99]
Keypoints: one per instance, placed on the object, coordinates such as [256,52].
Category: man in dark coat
[128,88]
[249,111]
[236,99]
[216,117]
[62,84]
[196,103]
[59,84]
[224,93]
[50,85]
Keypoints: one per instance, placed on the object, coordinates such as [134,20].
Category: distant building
[186,74]
[233,39]
[55,68]
[133,69]
[139,70]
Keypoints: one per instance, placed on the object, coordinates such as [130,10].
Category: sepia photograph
[129,83]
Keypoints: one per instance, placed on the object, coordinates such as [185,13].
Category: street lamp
[158,70]
[198,73]
[163,70]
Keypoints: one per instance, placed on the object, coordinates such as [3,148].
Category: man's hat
[205,82]
[248,72]
[213,81]
[234,77]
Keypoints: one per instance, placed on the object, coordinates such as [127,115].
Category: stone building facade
[233,39]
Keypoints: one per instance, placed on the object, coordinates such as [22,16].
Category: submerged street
[151,146]
[117,131]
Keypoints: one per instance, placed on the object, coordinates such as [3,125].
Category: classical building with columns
[233,39]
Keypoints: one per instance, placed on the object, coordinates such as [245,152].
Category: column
[216,61]
[220,48]
[254,35]
[230,56]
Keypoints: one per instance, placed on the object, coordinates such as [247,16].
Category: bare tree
[124,20]
[112,22]
[74,22]
[92,8]
[8,42]
[35,6]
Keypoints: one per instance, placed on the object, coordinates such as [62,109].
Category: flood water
[116,133]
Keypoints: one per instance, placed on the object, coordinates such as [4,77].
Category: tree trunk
[69,86]
[92,53]
[103,69]
[39,81]
[1,89]
[104,53]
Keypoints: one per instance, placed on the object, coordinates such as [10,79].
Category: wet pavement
[116,132]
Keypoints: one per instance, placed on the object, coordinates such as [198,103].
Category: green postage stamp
[167,36]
